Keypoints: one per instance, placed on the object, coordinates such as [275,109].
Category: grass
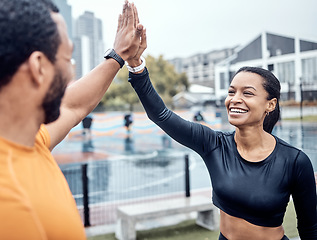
[188,230]
[312,118]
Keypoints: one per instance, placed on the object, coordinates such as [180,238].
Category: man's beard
[53,98]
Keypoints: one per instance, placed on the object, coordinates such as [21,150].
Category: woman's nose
[236,98]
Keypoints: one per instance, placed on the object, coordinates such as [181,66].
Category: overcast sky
[181,28]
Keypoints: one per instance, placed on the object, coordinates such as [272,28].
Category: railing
[100,186]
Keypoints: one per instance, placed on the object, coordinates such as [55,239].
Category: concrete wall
[289,112]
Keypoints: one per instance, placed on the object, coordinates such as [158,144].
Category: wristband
[138,68]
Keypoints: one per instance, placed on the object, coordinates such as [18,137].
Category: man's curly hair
[26,26]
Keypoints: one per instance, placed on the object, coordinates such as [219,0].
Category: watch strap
[111,53]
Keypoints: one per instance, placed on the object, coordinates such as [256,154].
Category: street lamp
[301,98]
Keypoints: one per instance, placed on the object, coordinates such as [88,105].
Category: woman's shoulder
[283,144]
[292,152]
[217,132]
[225,137]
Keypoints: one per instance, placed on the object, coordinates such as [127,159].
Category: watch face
[108,52]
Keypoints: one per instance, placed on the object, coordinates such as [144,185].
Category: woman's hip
[222,237]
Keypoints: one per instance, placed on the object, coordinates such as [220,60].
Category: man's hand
[128,41]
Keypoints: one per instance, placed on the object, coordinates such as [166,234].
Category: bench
[129,215]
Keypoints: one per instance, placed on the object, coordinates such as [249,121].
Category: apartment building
[199,68]
[293,61]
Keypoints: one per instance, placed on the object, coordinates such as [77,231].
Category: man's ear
[39,67]
[271,105]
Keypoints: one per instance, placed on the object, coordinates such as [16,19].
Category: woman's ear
[271,105]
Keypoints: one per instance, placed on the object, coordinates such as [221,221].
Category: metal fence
[99,187]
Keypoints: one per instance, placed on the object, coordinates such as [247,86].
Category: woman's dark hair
[272,86]
[26,26]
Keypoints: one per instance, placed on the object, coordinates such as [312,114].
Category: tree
[165,79]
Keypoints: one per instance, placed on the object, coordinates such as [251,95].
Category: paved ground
[109,138]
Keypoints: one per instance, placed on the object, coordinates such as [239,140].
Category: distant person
[198,117]
[129,144]
[86,122]
[128,120]
[35,62]
[166,141]
[87,144]
[253,173]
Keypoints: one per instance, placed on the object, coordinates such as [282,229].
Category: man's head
[34,27]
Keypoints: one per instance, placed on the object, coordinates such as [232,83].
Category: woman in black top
[253,173]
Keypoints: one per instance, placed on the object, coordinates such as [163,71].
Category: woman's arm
[304,197]
[193,135]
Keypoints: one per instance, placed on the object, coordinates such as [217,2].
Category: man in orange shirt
[35,62]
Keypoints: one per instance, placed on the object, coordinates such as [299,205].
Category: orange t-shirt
[35,200]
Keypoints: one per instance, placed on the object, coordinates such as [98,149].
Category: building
[200,71]
[196,96]
[88,42]
[66,12]
[200,67]
[293,61]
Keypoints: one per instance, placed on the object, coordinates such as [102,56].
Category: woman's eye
[248,93]
[230,92]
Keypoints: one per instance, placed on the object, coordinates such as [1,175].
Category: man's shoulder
[43,136]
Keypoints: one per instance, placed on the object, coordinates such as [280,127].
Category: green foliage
[309,118]
[165,79]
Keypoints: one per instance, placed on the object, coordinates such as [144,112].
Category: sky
[182,28]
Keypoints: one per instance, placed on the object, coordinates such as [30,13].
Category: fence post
[187,186]
[85,194]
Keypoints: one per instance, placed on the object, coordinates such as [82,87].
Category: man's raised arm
[82,96]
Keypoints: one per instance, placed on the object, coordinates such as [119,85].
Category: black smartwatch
[111,53]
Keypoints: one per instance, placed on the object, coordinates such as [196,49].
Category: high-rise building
[66,12]
[88,41]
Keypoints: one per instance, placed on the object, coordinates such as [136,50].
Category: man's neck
[18,130]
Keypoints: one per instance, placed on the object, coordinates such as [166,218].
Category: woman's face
[247,102]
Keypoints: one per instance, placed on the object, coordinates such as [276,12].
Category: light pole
[301,99]
[289,92]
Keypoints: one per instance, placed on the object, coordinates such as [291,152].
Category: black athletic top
[255,191]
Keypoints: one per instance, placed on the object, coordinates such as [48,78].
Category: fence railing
[99,187]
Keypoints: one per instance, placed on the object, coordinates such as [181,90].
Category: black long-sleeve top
[255,191]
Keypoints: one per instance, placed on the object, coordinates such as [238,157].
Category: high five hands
[130,41]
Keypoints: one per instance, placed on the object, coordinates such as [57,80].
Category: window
[286,72]
[309,70]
